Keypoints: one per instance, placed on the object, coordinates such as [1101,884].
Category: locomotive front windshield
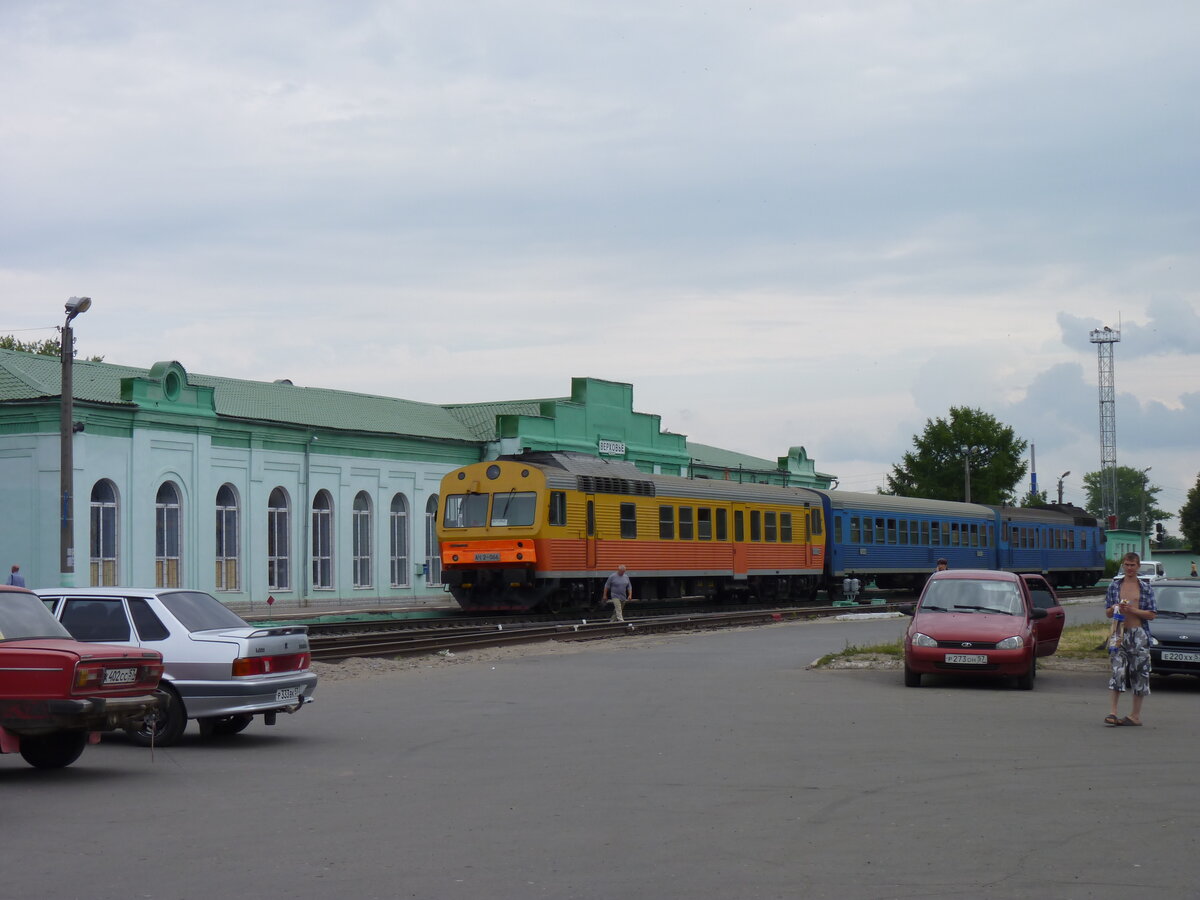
[514,508]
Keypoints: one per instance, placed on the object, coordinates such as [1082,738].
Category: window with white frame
[167,536]
[322,541]
[279,540]
[227,575]
[399,541]
[104,514]
[361,540]
[433,555]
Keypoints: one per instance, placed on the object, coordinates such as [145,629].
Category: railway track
[405,642]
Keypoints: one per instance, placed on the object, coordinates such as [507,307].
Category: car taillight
[268,665]
[89,676]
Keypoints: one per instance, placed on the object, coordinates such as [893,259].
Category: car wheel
[1025,682]
[911,678]
[223,726]
[53,751]
[163,727]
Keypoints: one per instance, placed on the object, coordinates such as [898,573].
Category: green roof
[480,418]
[31,377]
[728,459]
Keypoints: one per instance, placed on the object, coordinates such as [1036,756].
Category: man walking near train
[618,590]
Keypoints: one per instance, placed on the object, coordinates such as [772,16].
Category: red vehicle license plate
[970,659]
[120,676]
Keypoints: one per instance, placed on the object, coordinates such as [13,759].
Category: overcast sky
[785,223]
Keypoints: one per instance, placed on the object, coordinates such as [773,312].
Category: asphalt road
[710,765]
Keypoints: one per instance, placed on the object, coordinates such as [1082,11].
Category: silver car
[219,669]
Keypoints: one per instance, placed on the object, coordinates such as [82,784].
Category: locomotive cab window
[514,508]
[465,511]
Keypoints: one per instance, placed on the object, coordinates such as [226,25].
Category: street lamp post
[1060,481]
[1142,514]
[66,426]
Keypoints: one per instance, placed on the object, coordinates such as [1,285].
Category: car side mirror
[1039,613]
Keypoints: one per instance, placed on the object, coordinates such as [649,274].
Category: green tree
[48,347]
[1038,499]
[1189,517]
[937,467]
[1133,490]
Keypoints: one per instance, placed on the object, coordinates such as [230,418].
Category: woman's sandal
[1128,721]
[1113,720]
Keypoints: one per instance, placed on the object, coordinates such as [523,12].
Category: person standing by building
[15,578]
[1193,570]
[1128,596]
[618,591]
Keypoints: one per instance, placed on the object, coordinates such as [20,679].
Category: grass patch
[1082,641]
[894,649]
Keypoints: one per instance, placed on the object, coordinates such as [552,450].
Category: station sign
[612,448]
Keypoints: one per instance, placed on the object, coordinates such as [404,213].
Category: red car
[982,622]
[56,693]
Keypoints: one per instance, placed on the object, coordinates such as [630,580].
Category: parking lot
[698,765]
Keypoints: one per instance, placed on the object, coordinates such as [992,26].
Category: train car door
[590,536]
[739,542]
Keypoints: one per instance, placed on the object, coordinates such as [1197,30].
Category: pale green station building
[257,490]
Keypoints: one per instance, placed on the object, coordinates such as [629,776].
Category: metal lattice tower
[1104,338]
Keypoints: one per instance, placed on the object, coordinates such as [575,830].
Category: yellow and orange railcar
[544,530]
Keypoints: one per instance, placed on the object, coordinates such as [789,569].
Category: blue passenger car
[1063,543]
[897,541]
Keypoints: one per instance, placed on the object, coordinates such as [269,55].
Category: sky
[784,223]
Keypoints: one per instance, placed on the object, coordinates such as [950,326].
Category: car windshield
[965,595]
[198,611]
[1182,600]
[24,616]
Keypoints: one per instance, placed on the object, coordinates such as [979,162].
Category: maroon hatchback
[981,622]
[57,694]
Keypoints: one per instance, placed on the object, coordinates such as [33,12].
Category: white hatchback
[219,669]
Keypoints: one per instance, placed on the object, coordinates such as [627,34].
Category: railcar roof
[890,503]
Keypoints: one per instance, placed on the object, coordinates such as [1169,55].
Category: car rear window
[24,616]
[198,611]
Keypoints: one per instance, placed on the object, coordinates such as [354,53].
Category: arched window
[167,536]
[279,540]
[227,539]
[104,533]
[361,540]
[399,541]
[433,555]
[322,541]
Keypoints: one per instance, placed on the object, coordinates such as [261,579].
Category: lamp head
[77,305]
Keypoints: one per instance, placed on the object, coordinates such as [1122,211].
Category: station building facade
[268,491]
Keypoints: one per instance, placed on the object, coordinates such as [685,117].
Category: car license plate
[1172,656]
[487,557]
[970,659]
[287,695]
[120,676]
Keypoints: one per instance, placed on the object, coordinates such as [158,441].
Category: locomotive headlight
[1016,642]
[520,556]
[493,472]
[454,558]
[923,640]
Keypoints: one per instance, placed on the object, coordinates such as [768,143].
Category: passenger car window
[149,626]
[96,619]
